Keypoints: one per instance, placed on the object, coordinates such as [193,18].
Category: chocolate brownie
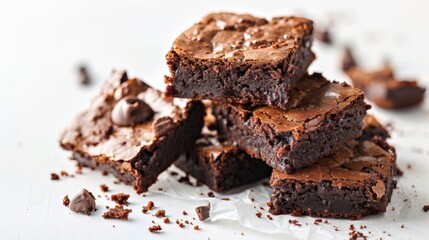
[131,131]
[323,116]
[354,182]
[385,90]
[221,165]
[240,58]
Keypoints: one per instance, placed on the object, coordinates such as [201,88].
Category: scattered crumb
[104,173]
[409,166]
[160,213]
[166,220]
[242,234]
[55,176]
[187,222]
[426,208]
[225,199]
[184,212]
[148,207]
[259,214]
[402,226]
[317,221]
[173,173]
[210,194]
[252,199]
[120,198]
[64,174]
[104,188]
[155,228]
[160,189]
[119,212]
[196,227]
[66,201]
[294,222]
[269,217]
[79,168]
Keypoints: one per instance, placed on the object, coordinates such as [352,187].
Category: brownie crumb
[155,228]
[160,213]
[269,217]
[83,202]
[55,176]
[426,208]
[64,173]
[402,226]
[225,199]
[399,172]
[160,189]
[166,220]
[120,198]
[294,222]
[187,222]
[196,227]
[184,213]
[104,173]
[409,166]
[104,188]
[148,207]
[84,78]
[259,214]
[203,212]
[348,60]
[66,201]
[317,221]
[118,212]
[210,194]
[173,173]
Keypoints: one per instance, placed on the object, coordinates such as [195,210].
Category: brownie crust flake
[240,58]
[136,152]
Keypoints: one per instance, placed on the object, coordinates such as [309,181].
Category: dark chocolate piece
[385,90]
[83,202]
[135,154]
[130,111]
[324,116]
[203,212]
[354,182]
[348,61]
[240,59]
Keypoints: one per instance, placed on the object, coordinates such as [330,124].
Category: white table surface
[41,42]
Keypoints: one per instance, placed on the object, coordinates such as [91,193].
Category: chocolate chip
[203,212]
[348,60]
[130,111]
[163,125]
[84,78]
[83,202]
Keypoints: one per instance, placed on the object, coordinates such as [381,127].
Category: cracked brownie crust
[354,182]
[240,58]
[323,116]
[138,153]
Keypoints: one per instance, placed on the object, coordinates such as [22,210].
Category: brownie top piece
[351,166]
[313,101]
[243,37]
[124,117]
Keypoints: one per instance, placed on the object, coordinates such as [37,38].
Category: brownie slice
[323,116]
[240,59]
[385,90]
[221,165]
[354,182]
[131,131]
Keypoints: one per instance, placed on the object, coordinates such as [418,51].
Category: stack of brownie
[264,115]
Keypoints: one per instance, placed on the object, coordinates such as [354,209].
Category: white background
[41,43]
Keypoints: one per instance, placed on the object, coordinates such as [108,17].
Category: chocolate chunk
[118,212]
[348,60]
[83,202]
[130,111]
[163,126]
[84,78]
[323,36]
[203,212]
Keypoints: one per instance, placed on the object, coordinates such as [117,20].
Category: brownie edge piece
[132,131]
[240,58]
[325,116]
[221,165]
[354,182]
